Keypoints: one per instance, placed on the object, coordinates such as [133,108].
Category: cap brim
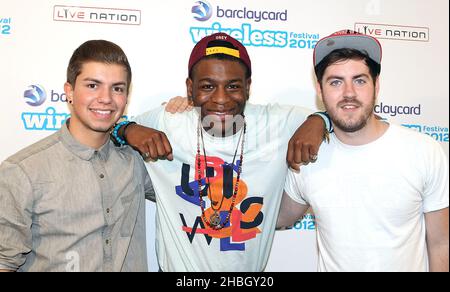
[362,43]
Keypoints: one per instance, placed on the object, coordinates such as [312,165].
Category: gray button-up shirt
[67,207]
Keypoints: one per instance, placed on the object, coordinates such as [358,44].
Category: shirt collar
[82,151]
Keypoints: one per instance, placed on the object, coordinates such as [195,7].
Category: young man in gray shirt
[74,201]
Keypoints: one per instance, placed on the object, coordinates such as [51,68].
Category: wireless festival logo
[250,32]
[202,11]
[5,26]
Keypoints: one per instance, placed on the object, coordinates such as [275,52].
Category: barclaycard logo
[35,95]
[50,120]
[202,11]
[394,110]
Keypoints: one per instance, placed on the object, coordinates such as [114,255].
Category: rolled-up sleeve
[16,197]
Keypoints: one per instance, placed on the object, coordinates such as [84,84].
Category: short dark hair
[97,51]
[222,57]
[346,54]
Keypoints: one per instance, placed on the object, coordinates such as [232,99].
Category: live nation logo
[96,15]
[394,32]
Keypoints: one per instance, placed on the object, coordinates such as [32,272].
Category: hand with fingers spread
[151,143]
[304,144]
[178,104]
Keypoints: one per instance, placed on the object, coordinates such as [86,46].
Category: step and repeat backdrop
[38,37]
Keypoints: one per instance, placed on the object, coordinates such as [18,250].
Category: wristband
[115,133]
[326,119]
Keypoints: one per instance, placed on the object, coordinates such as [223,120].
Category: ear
[68,90]
[189,88]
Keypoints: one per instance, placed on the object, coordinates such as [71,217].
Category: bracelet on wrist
[115,133]
[326,119]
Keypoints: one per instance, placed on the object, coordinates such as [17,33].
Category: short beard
[348,126]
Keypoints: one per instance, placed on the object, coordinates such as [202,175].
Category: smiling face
[98,97]
[220,89]
[349,94]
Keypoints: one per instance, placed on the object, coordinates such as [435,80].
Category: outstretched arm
[151,143]
[437,240]
[290,212]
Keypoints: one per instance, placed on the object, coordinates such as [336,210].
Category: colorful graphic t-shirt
[184,242]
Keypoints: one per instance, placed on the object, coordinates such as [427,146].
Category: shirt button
[107,241]
[107,210]
[102,175]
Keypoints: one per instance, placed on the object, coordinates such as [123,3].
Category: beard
[351,124]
